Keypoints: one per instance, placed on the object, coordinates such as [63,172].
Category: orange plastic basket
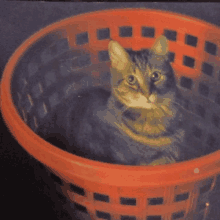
[34,74]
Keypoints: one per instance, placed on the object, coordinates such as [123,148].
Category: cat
[137,123]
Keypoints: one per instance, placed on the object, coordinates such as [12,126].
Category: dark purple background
[23,195]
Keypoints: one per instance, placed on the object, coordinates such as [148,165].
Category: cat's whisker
[166,110]
[161,127]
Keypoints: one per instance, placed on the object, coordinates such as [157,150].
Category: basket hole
[48,53]
[210,48]
[84,61]
[54,100]
[35,122]
[65,67]
[50,78]
[146,50]
[170,35]
[154,217]
[127,217]
[207,69]
[69,88]
[215,120]
[203,89]
[103,56]
[178,215]
[57,140]
[179,97]
[186,104]
[217,184]
[155,201]
[101,197]
[128,49]
[82,38]
[18,96]
[103,215]
[32,124]
[201,206]
[42,111]
[217,98]
[211,141]
[191,40]
[218,73]
[125,31]
[76,189]
[186,82]
[27,104]
[40,87]
[62,45]
[211,144]
[78,77]
[24,116]
[103,33]
[32,68]
[148,32]
[105,76]
[200,216]
[22,83]
[56,179]
[189,61]
[197,132]
[80,208]
[206,187]
[36,90]
[171,56]
[53,50]
[128,201]
[86,81]
[200,111]
[181,197]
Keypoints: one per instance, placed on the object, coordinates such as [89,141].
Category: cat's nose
[145,89]
[146,92]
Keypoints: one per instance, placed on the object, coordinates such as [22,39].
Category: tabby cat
[137,123]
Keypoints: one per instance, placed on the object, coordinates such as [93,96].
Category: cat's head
[144,80]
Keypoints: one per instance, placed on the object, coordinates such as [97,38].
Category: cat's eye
[155,76]
[131,79]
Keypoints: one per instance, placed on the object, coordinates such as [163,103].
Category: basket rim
[72,165]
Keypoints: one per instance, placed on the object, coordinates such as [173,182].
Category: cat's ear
[161,46]
[118,56]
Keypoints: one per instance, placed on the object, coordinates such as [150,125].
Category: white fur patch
[140,101]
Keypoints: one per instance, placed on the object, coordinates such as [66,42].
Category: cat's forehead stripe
[145,63]
[139,58]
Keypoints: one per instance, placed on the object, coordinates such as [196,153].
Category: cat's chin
[139,101]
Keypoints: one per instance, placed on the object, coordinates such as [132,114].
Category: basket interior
[75,56]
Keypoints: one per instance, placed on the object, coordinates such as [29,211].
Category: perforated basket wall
[71,54]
